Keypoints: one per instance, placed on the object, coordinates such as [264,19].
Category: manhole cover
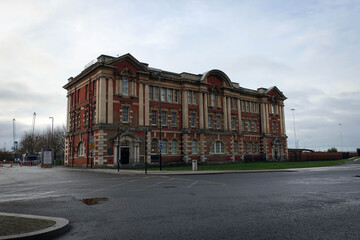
[93,201]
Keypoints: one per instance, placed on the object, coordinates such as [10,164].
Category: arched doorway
[127,148]
[277,147]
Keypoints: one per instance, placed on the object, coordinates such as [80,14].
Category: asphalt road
[277,205]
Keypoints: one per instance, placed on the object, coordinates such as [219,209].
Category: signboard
[47,157]
[92,144]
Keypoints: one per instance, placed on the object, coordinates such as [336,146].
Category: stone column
[102,100]
[206,123]
[185,110]
[97,101]
[229,112]
[141,104]
[147,113]
[282,120]
[201,111]
[239,113]
[110,102]
[225,113]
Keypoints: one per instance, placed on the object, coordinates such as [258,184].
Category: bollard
[194,165]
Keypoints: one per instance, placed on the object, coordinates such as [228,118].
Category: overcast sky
[309,49]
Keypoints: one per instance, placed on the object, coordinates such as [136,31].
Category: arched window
[174,146]
[236,147]
[81,149]
[218,147]
[164,146]
[154,145]
[194,145]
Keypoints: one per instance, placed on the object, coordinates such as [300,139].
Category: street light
[52,137]
[341,140]
[293,111]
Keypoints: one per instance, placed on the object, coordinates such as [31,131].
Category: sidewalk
[21,226]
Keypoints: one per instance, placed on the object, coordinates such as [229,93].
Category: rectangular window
[210,121]
[189,97]
[255,107]
[194,97]
[250,147]
[125,114]
[192,119]
[125,86]
[233,121]
[169,95]
[156,93]
[234,103]
[256,148]
[173,146]
[272,109]
[218,122]
[173,119]
[248,126]
[176,96]
[213,100]
[243,106]
[244,147]
[251,107]
[164,118]
[153,117]
[255,126]
[242,125]
[163,94]
[150,92]
[247,106]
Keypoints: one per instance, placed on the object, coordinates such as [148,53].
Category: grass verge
[257,166]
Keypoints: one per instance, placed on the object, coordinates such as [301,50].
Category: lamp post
[293,111]
[52,138]
[160,114]
[341,138]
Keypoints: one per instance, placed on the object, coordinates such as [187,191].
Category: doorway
[125,155]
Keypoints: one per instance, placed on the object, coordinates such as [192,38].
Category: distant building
[118,106]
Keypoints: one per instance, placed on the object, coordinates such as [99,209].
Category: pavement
[21,226]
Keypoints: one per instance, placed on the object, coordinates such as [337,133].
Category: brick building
[118,107]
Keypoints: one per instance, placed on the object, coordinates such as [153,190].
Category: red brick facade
[115,107]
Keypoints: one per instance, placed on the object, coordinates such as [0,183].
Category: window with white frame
[169,95]
[256,148]
[164,118]
[218,122]
[164,146]
[242,125]
[248,125]
[150,92]
[154,145]
[194,97]
[174,146]
[247,106]
[244,147]
[218,148]
[125,86]
[156,93]
[125,114]
[236,147]
[163,94]
[192,119]
[189,97]
[194,145]
[81,149]
[153,117]
[173,119]
[213,99]
[210,121]
[176,96]
[255,126]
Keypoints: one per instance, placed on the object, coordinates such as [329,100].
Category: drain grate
[93,201]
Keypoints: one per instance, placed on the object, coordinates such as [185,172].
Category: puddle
[93,201]
[357,175]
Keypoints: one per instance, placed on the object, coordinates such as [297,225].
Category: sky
[309,49]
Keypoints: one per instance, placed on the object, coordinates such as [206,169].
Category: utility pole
[52,139]
[160,114]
